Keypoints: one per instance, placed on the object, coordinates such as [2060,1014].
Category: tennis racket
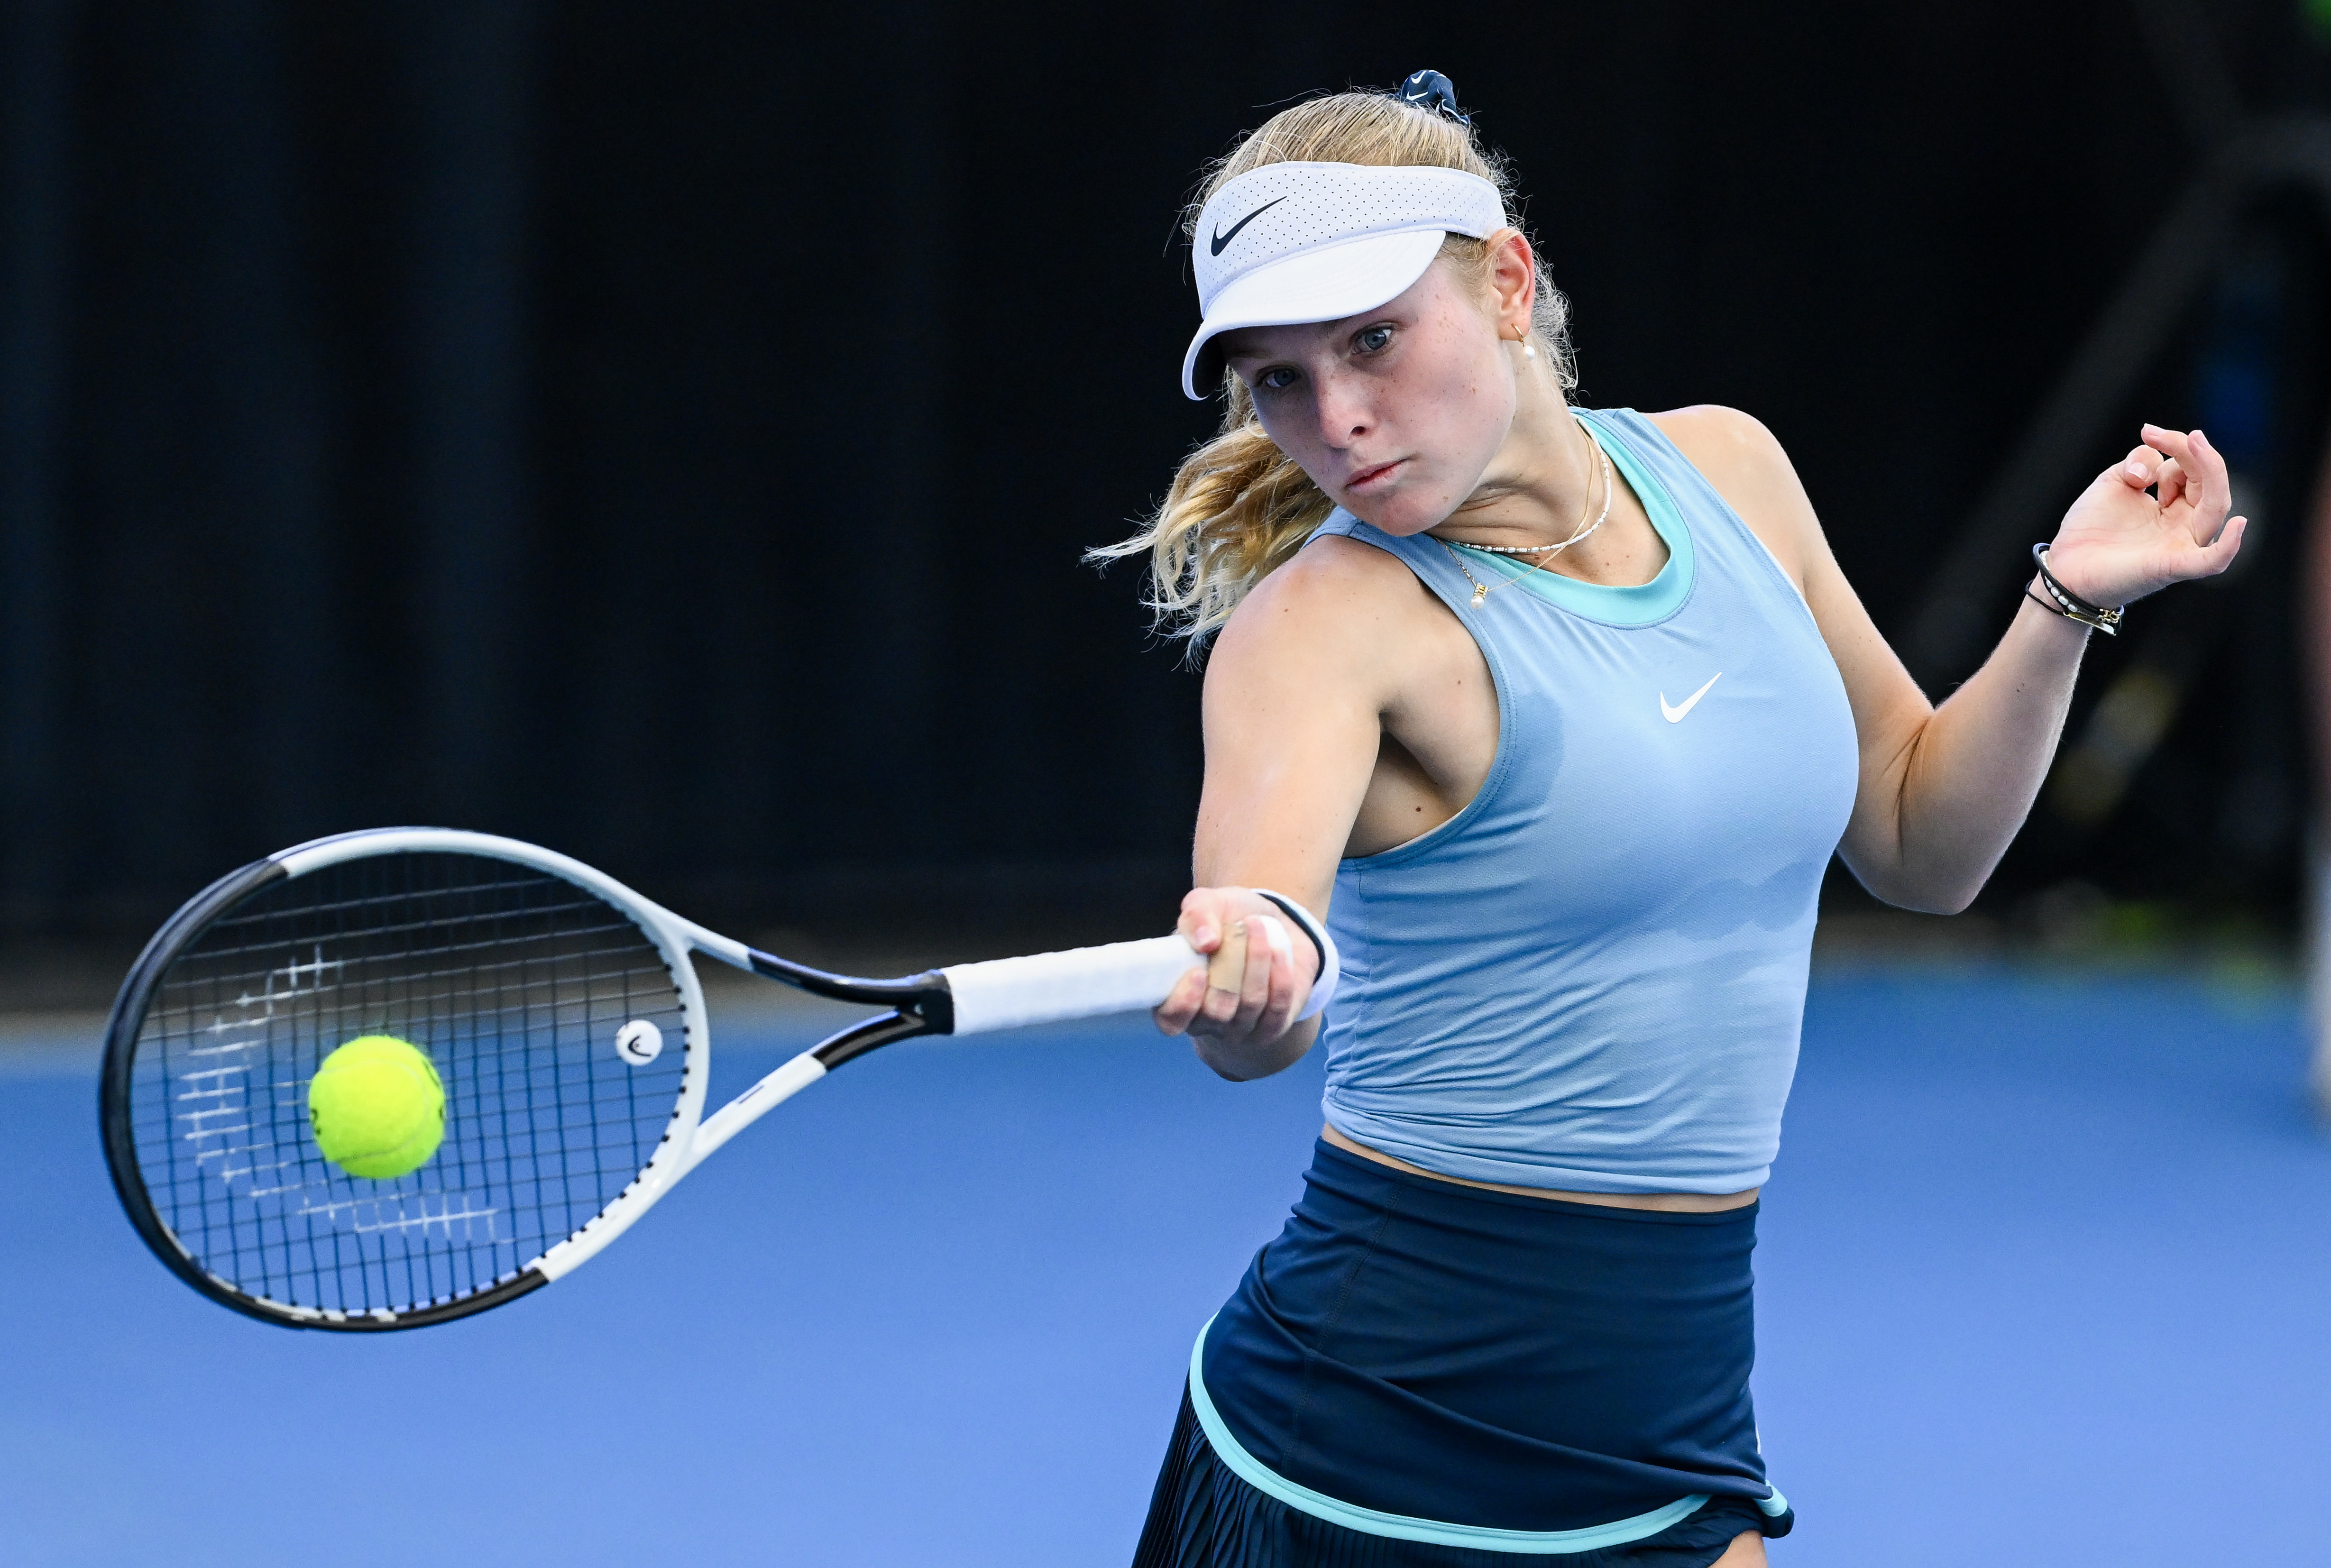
[563,1014]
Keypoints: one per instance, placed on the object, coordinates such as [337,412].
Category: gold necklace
[1481,591]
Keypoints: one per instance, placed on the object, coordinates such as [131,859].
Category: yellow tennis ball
[377,1107]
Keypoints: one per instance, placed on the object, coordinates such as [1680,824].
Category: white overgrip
[1082,982]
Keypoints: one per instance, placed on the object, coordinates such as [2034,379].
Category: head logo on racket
[639,1042]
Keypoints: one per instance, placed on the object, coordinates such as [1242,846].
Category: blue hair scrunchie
[1435,93]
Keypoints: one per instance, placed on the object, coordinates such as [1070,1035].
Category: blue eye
[1276,380]
[1372,339]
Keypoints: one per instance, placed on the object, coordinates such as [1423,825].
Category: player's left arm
[1944,790]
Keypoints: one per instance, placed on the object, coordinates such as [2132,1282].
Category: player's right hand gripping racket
[562,1015]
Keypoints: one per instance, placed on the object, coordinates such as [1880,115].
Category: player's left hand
[2119,543]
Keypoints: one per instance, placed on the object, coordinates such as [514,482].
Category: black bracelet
[1303,920]
[2070,606]
[2047,604]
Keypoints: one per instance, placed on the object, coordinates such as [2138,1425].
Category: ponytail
[1238,508]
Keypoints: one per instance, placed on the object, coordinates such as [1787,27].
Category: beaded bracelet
[2069,604]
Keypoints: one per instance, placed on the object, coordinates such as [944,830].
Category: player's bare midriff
[1671,1202]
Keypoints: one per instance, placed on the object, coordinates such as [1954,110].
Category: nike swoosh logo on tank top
[1675,715]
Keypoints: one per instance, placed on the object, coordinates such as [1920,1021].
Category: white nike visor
[1296,241]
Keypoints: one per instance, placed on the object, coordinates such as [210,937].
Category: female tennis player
[1567,710]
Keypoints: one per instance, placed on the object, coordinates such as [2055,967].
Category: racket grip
[1082,982]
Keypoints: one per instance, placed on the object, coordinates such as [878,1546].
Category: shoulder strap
[1423,555]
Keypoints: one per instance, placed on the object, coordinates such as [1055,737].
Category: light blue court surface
[2046,1280]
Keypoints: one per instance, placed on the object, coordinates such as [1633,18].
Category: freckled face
[1396,413]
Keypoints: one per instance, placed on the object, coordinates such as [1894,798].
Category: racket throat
[924,998]
[785,1083]
[871,1035]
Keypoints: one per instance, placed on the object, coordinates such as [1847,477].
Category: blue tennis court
[2046,1280]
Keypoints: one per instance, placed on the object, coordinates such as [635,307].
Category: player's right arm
[1296,692]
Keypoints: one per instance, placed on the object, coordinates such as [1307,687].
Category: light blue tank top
[1592,977]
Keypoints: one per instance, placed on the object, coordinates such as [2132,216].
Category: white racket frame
[961,999]
[1003,993]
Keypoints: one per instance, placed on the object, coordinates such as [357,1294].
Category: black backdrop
[668,432]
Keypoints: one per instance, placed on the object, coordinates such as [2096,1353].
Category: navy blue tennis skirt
[1419,1372]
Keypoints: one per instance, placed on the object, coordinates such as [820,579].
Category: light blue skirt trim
[1370,1521]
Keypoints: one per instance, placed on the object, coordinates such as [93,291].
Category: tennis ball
[377,1107]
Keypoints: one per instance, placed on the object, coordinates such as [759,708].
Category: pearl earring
[1530,351]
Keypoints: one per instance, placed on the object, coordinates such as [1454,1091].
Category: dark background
[668,434]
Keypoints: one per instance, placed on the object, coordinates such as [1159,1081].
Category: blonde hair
[1239,507]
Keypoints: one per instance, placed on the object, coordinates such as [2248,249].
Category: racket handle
[1082,982]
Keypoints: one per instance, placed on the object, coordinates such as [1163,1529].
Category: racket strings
[460,981]
[383,930]
[514,982]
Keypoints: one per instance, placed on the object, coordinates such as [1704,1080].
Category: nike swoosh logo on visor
[1675,715]
[1221,239]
